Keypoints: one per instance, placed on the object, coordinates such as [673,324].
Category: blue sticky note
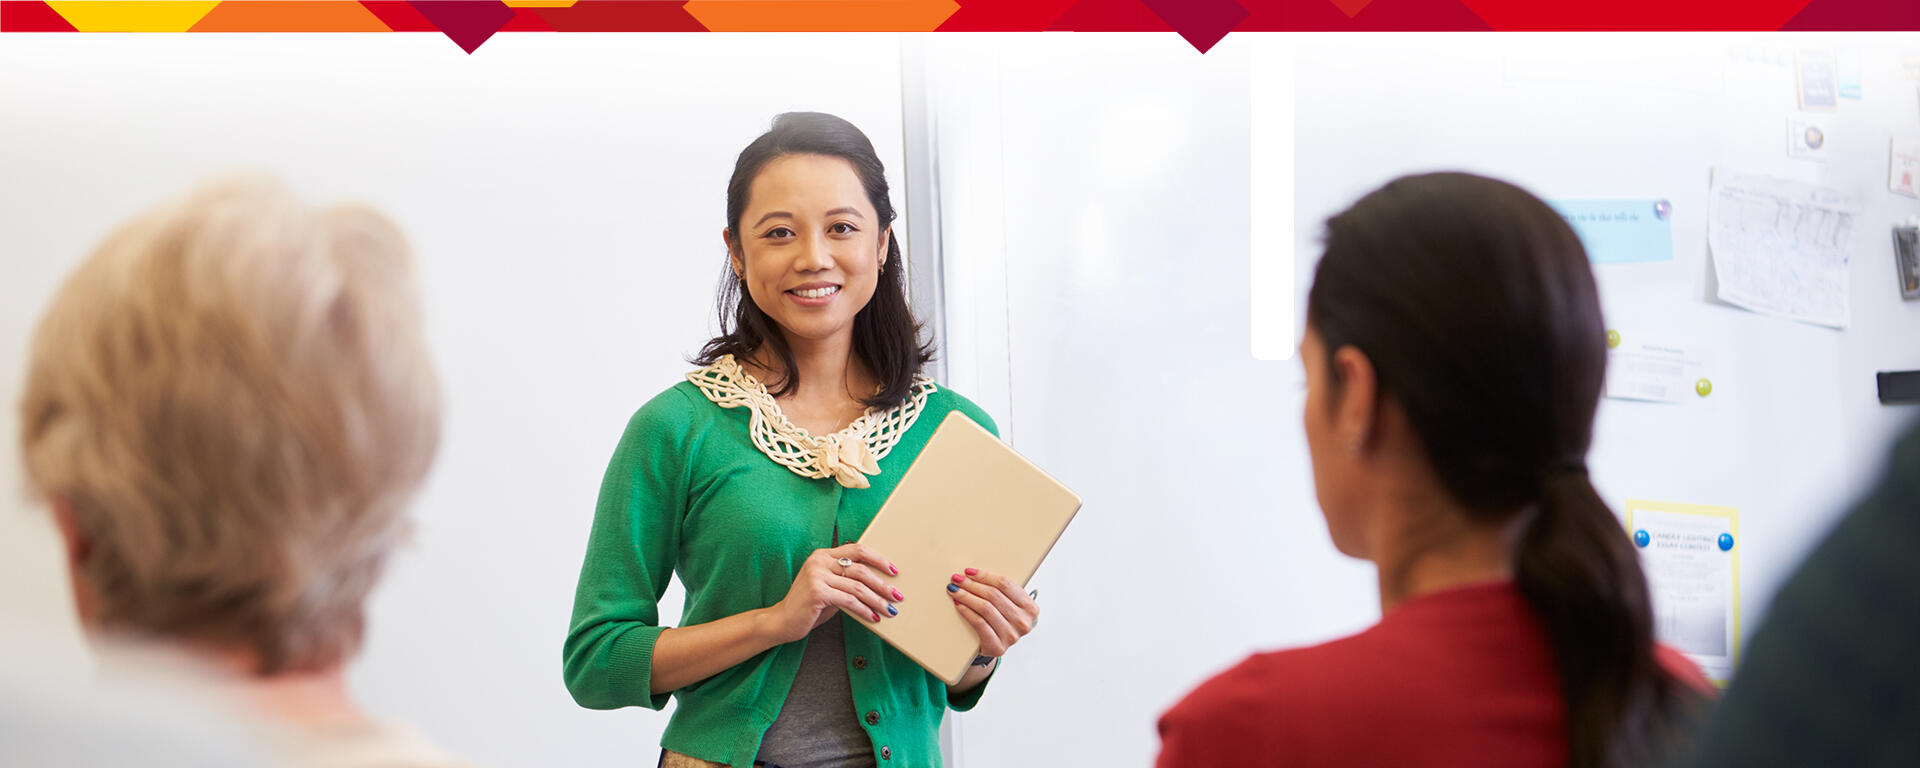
[1621,231]
[1846,70]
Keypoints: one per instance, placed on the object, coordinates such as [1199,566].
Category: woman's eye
[778,233]
[842,228]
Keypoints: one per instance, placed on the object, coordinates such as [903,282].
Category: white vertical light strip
[1271,270]
[921,208]
[966,121]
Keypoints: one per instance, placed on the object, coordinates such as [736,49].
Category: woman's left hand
[998,610]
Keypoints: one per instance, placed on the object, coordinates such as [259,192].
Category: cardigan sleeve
[608,654]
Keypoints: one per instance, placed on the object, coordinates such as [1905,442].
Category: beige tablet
[968,501]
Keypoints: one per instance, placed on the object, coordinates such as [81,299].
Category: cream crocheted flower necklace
[848,456]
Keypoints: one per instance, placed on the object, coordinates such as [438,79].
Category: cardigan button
[886,753]
[873,718]
[859,662]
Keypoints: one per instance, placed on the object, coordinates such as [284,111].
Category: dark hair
[885,334]
[1475,303]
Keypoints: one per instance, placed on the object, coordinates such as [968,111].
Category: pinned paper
[1643,369]
[1807,137]
[1903,166]
[1780,247]
[1817,84]
[1691,554]
[1621,231]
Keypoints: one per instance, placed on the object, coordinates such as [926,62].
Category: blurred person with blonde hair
[229,407]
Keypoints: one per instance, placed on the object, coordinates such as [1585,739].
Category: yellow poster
[1691,555]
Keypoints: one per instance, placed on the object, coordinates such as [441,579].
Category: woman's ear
[75,540]
[1354,414]
[78,547]
[886,236]
[738,259]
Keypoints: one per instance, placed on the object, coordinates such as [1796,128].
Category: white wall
[565,194]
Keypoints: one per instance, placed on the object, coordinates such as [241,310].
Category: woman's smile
[814,294]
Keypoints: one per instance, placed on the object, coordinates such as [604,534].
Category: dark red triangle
[468,23]
[1201,22]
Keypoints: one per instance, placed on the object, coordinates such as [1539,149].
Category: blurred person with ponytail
[1454,354]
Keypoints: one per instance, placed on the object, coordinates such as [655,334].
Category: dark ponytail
[1475,303]
[1579,571]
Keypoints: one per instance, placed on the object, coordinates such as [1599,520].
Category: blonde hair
[234,397]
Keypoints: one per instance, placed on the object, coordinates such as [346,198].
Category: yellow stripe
[133,15]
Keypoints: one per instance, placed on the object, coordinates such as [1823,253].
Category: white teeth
[818,293]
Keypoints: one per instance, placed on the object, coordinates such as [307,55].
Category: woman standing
[1454,355]
[750,478]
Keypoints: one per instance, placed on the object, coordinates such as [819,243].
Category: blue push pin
[1641,539]
[1726,542]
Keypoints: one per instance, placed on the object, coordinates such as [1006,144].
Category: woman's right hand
[822,586]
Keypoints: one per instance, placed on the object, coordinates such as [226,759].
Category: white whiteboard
[1105,324]
[565,195]
[1792,430]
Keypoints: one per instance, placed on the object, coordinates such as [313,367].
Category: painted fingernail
[876,615]
[973,571]
[894,568]
[892,611]
[953,588]
[898,596]
[957,578]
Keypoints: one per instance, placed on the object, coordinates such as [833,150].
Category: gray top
[818,726]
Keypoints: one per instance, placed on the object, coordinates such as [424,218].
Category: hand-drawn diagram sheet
[1780,247]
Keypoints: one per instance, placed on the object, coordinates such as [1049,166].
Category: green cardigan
[688,493]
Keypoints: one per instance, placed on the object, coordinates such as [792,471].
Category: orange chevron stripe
[821,15]
[291,16]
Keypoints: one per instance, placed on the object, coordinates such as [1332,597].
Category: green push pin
[1613,338]
[1703,387]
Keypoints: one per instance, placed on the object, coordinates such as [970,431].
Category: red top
[1459,677]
